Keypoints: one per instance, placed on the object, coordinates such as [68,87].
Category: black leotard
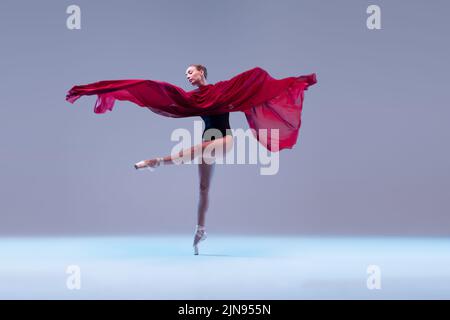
[220,122]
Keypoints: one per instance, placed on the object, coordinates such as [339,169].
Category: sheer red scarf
[268,103]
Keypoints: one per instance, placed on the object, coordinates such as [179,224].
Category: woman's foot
[151,163]
[200,235]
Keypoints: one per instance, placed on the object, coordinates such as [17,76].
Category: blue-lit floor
[228,267]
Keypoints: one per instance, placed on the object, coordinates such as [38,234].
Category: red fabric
[268,103]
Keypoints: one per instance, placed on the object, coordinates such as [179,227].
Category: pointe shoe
[143,165]
[200,235]
[147,164]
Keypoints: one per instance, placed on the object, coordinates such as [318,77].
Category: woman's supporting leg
[205,172]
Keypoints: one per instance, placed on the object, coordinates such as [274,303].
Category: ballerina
[197,75]
[268,103]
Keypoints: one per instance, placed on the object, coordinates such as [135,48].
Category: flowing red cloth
[268,103]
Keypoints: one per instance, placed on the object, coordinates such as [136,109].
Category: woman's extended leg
[225,144]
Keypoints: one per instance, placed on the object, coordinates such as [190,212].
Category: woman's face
[194,76]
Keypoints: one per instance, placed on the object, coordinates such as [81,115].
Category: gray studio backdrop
[373,153]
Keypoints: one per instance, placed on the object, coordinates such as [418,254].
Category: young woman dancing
[268,104]
[197,75]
